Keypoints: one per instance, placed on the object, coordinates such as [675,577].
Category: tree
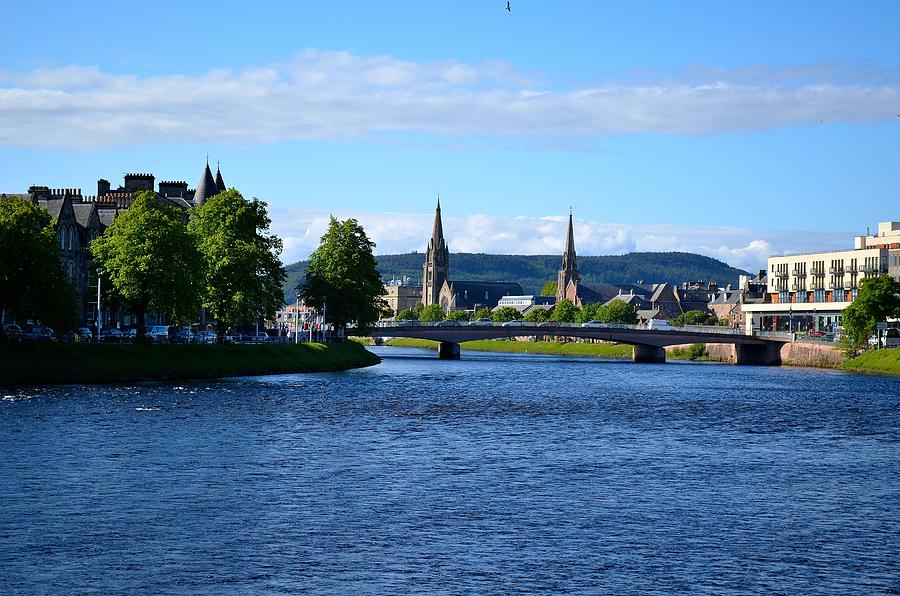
[618,311]
[482,313]
[506,313]
[877,300]
[537,315]
[33,284]
[458,315]
[565,312]
[243,273]
[590,312]
[407,315]
[549,288]
[691,317]
[341,278]
[151,260]
[432,312]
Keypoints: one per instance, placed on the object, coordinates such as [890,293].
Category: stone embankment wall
[795,353]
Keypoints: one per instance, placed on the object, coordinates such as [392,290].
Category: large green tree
[537,315]
[506,313]
[458,315]
[33,284]
[549,289]
[432,312]
[618,311]
[341,278]
[565,312]
[691,317]
[243,273]
[878,299]
[151,261]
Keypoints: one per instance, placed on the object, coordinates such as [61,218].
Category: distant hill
[533,271]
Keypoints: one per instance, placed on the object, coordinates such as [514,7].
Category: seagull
[508,7]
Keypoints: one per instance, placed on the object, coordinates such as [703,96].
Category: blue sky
[734,130]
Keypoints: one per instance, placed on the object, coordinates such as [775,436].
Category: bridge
[648,344]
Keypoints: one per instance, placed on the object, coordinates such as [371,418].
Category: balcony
[836,270]
[783,274]
[817,272]
[849,284]
[798,272]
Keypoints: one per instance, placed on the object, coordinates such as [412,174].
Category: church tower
[569,270]
[437,262]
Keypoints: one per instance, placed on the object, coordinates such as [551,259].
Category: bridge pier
[448,351]
[765,355]
[648,354]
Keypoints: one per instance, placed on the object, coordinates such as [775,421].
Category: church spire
[568,272]
[437,261]
[206,187]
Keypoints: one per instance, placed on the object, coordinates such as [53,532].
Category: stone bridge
[649,344]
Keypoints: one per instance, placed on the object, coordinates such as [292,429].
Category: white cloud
[329,95]
[393,233]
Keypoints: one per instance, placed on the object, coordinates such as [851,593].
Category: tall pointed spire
[206,187]
[568,272]
[220,183]
[437,261]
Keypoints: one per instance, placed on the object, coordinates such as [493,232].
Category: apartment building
[808,292]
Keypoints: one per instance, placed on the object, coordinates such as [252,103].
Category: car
[205,337]
[481,323]
[181,335]
[13,332]
[658,324]
[260,338]
[38,333]
[129,335]
[549,324]
[595,324]
[408,323]
[447,323]
[514,323]
[111,335]
[233,336]
[158,334]
[817,334]
[84,334]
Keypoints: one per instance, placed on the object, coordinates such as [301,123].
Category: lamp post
[296,320]
[99,272]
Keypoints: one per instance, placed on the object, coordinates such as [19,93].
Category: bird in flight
[508,7]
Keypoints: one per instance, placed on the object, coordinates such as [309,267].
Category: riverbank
[885,361]
[22,363]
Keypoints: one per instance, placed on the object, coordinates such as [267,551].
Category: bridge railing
[707,329]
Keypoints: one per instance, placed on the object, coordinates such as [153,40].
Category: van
[658,324]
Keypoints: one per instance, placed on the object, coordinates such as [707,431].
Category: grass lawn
[885,361]
[25,363]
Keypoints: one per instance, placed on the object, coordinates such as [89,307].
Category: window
[819,296]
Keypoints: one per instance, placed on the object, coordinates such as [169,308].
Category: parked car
[549,324]
[205,337]
[514,323]
[181,335]
[595,324]
[658,324]
[129,335]
[38,333]
[817,334]
[408,323]
[447,323]
[260,338]
[481,322]
[13,332]
[158,334]
[84,334]
[111,335]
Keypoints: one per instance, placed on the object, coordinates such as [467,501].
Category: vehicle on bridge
[514,324]
[658,324]
[482,323]
[595,325]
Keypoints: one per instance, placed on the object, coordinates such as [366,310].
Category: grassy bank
[885,361]
[106,363]
[527,347]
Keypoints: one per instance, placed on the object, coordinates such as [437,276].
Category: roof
[467,294]
[53,206]
[83,213]
[206,187]
[589,293]
[106,216]
[220,183]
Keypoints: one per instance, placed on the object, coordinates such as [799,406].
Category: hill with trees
[533,271]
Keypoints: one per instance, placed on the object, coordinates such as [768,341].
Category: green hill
[532,271]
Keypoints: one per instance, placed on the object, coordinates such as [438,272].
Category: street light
[99,272]
[296,319]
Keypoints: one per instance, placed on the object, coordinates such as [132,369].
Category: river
[496,473]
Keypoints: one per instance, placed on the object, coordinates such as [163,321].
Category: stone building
[79,219]
[437,262]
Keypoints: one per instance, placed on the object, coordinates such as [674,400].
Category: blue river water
[493,474]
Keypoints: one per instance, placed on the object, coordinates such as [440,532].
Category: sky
[732,129]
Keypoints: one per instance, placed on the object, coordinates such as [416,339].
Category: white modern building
[808,292]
